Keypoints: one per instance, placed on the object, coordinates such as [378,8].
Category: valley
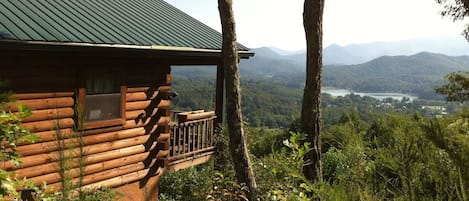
[272,85]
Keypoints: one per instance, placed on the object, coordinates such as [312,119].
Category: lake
[379,96]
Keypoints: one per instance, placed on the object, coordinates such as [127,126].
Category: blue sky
[279,22]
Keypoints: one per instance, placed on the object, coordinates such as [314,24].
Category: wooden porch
[192,139]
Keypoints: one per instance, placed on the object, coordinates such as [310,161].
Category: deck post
[219,94]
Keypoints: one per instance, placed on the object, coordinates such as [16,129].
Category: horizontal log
[28,96]
[140,114]
[101,171]
[119,153]
[97,177]
[40,104]
[54,179]
[46,136]
[34,160]
[164,137]
[127,125]
[124,179]
[49,125]
[49,114]
[183,117]
[140,96]
[45,147]
[116,177]
[140,105]
[94,163]
[132,124]
[145,89]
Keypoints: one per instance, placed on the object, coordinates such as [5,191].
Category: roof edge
[12,43]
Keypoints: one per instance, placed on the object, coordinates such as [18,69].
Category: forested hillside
[361,53]
[275,104]
[265,104]
[417,74]
[272,86]
[372,149]
[370,152]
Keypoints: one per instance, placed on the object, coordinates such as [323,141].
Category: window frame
[101,123]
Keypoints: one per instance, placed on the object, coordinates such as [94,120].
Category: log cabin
[101,70]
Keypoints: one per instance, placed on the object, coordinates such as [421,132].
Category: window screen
[103,100]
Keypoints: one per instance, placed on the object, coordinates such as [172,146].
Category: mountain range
[360,53]
[417,73]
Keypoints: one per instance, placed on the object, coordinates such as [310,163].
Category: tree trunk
[311,108]
[238,149]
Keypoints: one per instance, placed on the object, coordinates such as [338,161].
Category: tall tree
[457,88]
[238,149]
[457,10]
[311,108]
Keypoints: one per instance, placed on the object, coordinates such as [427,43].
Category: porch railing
[192,135]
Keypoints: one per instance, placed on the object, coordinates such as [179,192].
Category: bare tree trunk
[311,108]
[238,149]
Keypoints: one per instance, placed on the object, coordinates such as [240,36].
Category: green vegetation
[273,103]
[11,133]
[392,157]
[457,88]
[372,150]
[418,74]
[272,98]
[265,104]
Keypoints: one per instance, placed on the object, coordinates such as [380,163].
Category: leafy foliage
[203,182]
[11,133]
[457,88]
[417,74]
[372,150]
[263,105]
[387,157]
[457,10]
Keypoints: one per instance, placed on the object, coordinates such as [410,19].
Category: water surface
[379,96]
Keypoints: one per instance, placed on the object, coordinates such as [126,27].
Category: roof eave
[154,49]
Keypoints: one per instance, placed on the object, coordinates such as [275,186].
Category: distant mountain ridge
[361,53]
[267,63]
[416,74]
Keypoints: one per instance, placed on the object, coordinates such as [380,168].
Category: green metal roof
[120,22]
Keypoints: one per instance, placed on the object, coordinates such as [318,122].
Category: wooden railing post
[192,137]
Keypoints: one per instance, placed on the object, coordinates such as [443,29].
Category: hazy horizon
[279,23]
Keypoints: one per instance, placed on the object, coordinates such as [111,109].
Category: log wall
[117,156]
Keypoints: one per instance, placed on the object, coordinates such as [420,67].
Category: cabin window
[102,100]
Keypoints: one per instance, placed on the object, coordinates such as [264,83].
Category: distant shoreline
[378,95]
